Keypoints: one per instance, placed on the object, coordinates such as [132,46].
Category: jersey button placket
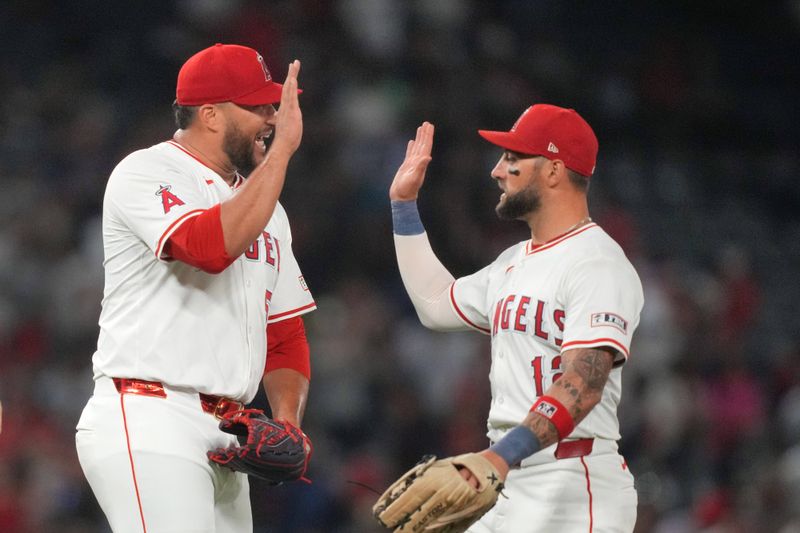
[244,273]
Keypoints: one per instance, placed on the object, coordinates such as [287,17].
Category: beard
[520,204]
[239,149]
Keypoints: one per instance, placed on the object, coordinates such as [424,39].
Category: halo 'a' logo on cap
[514,127]
[267,76]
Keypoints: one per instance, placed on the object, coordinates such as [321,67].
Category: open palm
[411,174]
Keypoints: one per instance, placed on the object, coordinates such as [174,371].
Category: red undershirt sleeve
[200,242]
[287,346]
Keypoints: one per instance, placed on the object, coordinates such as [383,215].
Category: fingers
[424,139]
[221,456]
[289,92]
[294,69]
[423,142]
[469,477]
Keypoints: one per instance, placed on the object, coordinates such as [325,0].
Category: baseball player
[203,301]
[560,309]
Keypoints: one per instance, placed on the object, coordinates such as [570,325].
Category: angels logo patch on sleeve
[610,319]
[168,199]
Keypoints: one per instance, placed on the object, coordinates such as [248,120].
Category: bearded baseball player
[560,309]
[203,301]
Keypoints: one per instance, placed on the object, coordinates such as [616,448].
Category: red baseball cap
[553,132]
[226,73]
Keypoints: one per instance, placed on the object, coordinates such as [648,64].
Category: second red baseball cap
[226,73]
[553,132]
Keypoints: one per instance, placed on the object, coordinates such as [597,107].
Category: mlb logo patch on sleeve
[610,319]
[302,281]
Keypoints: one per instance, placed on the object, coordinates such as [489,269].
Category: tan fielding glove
[433,497]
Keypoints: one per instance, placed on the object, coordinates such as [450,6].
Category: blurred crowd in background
[694,104]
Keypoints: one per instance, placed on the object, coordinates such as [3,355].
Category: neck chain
[227,174]
[578,225]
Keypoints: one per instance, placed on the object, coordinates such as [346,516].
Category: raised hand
[289,121]
[411,174]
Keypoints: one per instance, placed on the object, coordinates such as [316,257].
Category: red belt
[215,405]
[567,449]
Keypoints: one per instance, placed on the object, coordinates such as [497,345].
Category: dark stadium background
[695,106]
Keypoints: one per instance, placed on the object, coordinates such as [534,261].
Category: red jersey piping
[130,456]
[172,227]
[531,248]
[602,341]
[293,312]
[237,181]
[190,154]
[589,490]
[461,314]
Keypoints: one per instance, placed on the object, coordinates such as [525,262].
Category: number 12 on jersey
[538,373]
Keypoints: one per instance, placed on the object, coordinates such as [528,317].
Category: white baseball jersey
[164,320]
[576,291]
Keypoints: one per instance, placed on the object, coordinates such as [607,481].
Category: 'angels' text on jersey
[524,314]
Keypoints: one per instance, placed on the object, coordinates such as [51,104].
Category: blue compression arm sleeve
[405,218]
[518,444]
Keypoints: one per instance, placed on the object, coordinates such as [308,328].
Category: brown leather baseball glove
[433,497]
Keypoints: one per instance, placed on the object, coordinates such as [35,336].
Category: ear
[557,172]
[211,117]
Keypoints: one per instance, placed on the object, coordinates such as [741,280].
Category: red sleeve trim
[596,342]
[200,242]
[172,227]
[461,314]
[287,347]
[288,314]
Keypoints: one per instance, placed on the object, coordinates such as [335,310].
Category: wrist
[281,151]
[556,413]
[498,462]
[518,444]
[405,218]
[396,198]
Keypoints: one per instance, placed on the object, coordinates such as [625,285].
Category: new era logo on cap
[547,130]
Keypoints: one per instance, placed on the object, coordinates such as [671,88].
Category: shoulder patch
[168,199]
[610,319]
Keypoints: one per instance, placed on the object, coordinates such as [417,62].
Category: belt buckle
[223,406]
[574,448]
[139,387]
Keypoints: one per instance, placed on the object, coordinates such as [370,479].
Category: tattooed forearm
[579,389]
[544,430]
[576,393]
